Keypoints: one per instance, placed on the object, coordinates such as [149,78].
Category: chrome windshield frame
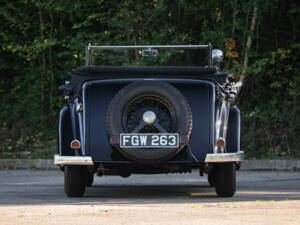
[90,49]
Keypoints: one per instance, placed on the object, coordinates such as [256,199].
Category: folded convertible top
[154,70]
[88,73]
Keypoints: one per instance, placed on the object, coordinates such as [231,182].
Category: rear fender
[233,130]
[65,133]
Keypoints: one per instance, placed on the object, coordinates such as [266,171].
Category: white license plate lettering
[155,140]
[143,140]
[163,140]
[149,140]
[126,139]
[172,140]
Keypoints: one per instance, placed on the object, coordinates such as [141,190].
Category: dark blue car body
[208,91]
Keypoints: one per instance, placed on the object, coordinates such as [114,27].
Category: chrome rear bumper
[72,160]
[87,160]
[225,157]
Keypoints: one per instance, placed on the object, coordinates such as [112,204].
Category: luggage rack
[90,49]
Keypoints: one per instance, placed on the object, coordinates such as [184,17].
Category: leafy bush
[42,40]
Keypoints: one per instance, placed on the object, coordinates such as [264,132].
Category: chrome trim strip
[146,46]
[225,157]
[72,160]
[81,132]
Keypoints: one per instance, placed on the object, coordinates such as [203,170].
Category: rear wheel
[211,177]
[225,179]
[89,179]
[75,180]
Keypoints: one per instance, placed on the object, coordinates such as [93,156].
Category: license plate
[149,140]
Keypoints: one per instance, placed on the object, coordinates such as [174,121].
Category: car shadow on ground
[253,186]
[183,194]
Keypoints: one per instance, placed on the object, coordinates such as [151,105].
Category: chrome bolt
[79,108]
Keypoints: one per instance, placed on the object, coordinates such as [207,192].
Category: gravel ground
[37,197]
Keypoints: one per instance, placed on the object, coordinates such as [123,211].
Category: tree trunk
[248,46]
[235,11]
[43,64]
[249,41]
[52,85]
[244,35]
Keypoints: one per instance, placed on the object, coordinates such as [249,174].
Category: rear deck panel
[98,94]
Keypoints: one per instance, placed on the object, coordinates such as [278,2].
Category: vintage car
[155,109]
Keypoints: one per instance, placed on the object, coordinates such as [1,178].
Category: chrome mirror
[217,57]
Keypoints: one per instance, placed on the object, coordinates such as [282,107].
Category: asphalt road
[25,191]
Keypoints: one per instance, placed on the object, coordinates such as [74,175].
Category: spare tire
[127,108]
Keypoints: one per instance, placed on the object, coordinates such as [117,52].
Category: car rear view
[159,109]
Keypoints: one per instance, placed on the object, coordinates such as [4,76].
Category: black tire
[74,180]
[225,184]
[149,89]
[89,179]
[211,178]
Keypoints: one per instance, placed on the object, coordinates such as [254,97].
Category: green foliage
[42,40]
[271,112]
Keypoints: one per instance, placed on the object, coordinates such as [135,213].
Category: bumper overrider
[210,158]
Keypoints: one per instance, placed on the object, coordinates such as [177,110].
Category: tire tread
[74,177]
[225,183]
